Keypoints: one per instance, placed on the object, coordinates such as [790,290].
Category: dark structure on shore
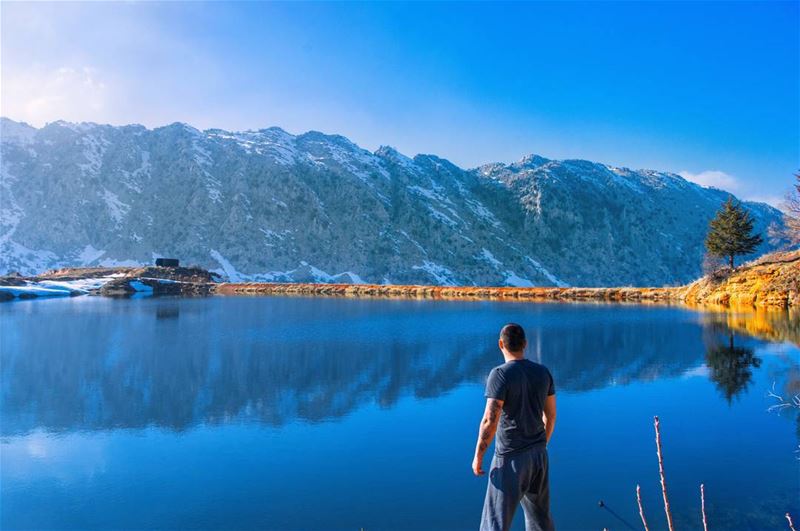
[167,262]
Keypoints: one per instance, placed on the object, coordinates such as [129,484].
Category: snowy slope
[268,205]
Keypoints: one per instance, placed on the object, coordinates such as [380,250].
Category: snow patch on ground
[227,268]
[438,195]
[397,158]
[512,279]
[301,274]
[441,216]
[425,192]
[489,257]
[94,147]
[88,255]
[354,279]
[201,155]
[275,143]
[133,180]
[17,257]
[358,161]
[204,160]
[601,175]
[214,188]
[440,273]
[33,290]
[83,285]
[116,208]
[416,244]
[318,274]
[549,276]
[280,145]
[59,288]
[482,212]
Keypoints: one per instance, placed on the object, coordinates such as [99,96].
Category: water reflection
[771,324]
[176,363]
[169,310]
[199,387]
[731,366]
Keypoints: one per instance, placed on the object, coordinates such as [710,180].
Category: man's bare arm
[488,427]
[549,416]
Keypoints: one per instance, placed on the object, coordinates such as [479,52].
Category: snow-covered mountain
[268,205]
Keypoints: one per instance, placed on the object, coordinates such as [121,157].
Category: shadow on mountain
[99,364]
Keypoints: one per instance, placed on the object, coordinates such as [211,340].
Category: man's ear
[525,345]
[500,344]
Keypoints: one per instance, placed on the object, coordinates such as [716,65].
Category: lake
[304,414]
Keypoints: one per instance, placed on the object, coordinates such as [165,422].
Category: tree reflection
[731,367]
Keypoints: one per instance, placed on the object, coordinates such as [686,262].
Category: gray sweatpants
[520,478]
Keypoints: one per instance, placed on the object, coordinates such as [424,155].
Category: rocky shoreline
[773,281]
[654,295]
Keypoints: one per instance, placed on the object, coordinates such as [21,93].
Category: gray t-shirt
[523,386]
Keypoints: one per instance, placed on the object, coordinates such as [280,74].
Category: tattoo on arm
[489,424]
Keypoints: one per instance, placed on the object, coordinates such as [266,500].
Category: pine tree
[731,232]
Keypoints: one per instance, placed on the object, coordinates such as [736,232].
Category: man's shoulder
[524,364]
[538,366]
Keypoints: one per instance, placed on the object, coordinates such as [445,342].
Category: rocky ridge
[269,206]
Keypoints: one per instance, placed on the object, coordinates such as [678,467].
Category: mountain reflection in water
[225,413]
[100,364]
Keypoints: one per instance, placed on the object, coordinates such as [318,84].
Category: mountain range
[267,205]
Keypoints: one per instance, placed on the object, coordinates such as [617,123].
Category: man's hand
[477,466]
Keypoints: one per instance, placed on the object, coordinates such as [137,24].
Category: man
[520,395]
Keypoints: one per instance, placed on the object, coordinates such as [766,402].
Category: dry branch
[661,473]
[641,509]
[703,506]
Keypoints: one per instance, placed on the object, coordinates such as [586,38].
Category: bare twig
[782,403]
[791,524]
[771,393]
[661,473]
[641,509]
[703,506]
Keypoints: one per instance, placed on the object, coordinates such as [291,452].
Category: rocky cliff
[270,206]
[771,281]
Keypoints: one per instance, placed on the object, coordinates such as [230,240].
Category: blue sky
[708,89]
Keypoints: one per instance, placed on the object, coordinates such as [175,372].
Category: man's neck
[513,356]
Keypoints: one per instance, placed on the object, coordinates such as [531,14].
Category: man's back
[523,386]
[518,394]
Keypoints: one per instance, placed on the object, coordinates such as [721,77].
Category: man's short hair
[513,337]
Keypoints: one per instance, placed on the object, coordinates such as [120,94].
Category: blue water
[292,413]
